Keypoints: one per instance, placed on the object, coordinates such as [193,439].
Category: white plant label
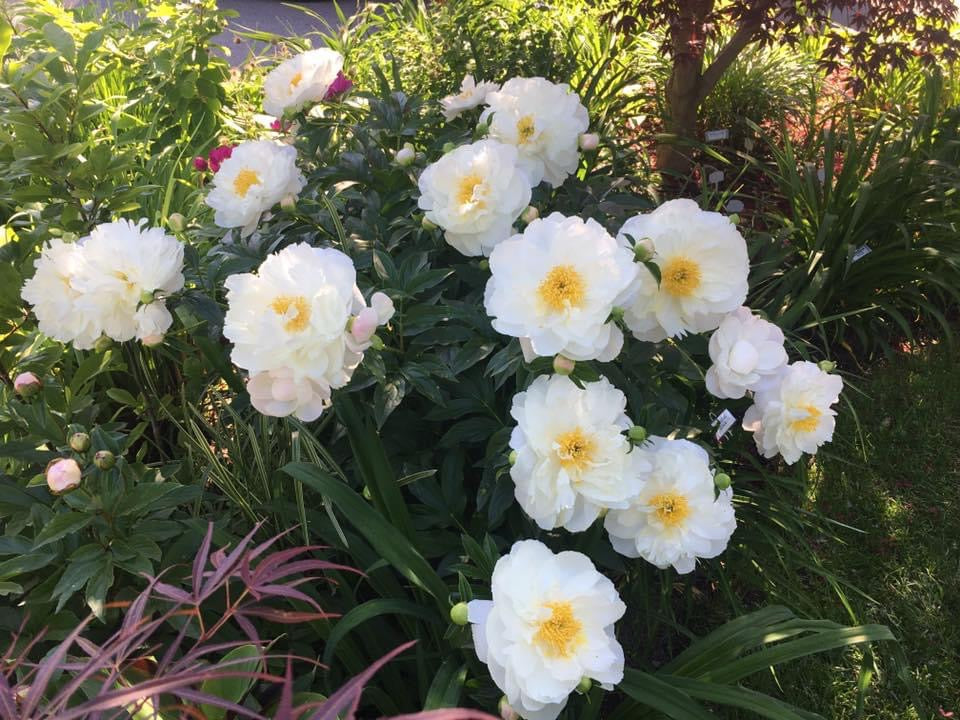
[860,253]
[715,177]
[714,135]
[723,422]
[734,206]
[822,175]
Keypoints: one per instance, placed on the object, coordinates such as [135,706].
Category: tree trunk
[683,91]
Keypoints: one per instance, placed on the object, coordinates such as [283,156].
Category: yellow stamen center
[295,80]
[562,288]
[680,276]
[561,633]
[526,127]
[467,190]
[294,309]
[670,508]
[808,423]
[124,278]
[244,179]
[576,449]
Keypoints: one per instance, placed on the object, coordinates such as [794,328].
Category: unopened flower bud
[146,297]
[26,384]
[643,250]
[616,314]
[734,218]
[376,343]
[563,365]
[507,712]
[512,457]
[79,442]
[428,224]
[449,147]
[405,155]
[152,340]
[363,325]
[637,433]
[367,495]
[583,687]
[102,344]
[289,202]
[200,163]
[721,480]
[459,613]
[589,141]
[827,365]
[63,475]
[530,214]
[176,222]
[483,264]
[104,459]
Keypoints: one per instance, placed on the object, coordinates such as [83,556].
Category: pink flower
[276,125]
[26,384]
[218,155]
[200,163]
[339,86]
[63,475]
[364,325]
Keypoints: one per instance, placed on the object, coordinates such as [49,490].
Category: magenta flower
[216,156]
[200,163]
[339,86]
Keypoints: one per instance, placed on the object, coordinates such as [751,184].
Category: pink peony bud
[364,325]
[218,155]
[27,384]
[339,86]
[200,163]
[563,365]
[289,202]
[63,475]
[152,340]
[589,141]
[530,214]
[506,711]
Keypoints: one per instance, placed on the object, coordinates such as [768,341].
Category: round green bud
[721,480]
[483,264]
[583,687]
[827,365]
[637,433]
[146,297]
[367,495]
[176,222]
[79,442]
[102,344]
[458,614]
[734,218]
[512,457]
[448,147]
[104,459]
[563,365]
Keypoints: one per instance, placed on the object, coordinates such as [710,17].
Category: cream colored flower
[747,353]
[475,193]
[544,121]
[470,96]
[573,460]
[793,415]
[549,625]
[302,79]
[257,175]
[703,266]
[676,517]
[279,393]
[557,283]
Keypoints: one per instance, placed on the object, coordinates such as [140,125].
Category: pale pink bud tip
[152,340]
[289,202]
[530,214]
[506,711]
[63,476]
[563,365]
[27,384]
[364,325]
[589,141]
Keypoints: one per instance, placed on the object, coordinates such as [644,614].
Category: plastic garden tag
[715,135]
[860,253]
[723,422]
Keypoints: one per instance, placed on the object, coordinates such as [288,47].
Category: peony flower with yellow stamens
[793,416]
[257,175]
[677,516]
[549,625]
[544,121]
[703,264]
[475,193]
[555,286]
[470,96]
[302,79]
[573,459]
[289,323]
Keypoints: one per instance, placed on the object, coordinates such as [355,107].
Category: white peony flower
[52,294]
[573,459]
[470,96]
[257,175]
[123,265]
[304,78]
[747,353]
[475,193]
[544,121]
[557,283]
[549,625]
[793,416]
[676,517]
[279,393]
[703,265]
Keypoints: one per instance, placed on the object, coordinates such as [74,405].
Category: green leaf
[245,658]
[6,35]
[141,497]
[738,697]
[63,524]
[122,396]
[10,588]
[61,40]
[655,693]
[367,611]
[447,685]
[384,537]
[24,564]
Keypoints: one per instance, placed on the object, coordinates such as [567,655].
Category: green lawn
[896,478]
